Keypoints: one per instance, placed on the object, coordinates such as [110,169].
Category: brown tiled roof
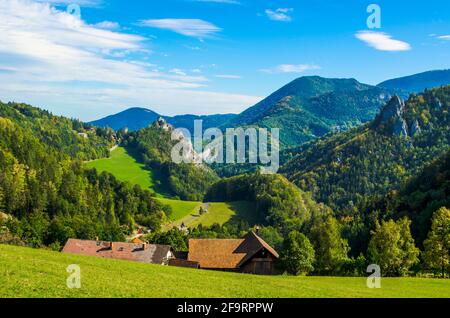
[152,253]
[137,240]
[226,253]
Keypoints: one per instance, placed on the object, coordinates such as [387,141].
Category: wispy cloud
[108,25]
[189,27]
[53,59]
[382,41]
[280,14]
[228,76]
[290,68]
[440,37]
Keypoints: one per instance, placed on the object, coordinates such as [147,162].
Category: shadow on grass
[160,183]
[245,211]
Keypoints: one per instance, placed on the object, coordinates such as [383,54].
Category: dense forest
[46,193]
[420,197]
[346,170]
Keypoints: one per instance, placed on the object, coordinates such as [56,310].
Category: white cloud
[280,14]
[109,25]
[228,76]
[291,68]
[193,48]
[382,41]
[177,71]
[189,27]
[444,37]
[52,59]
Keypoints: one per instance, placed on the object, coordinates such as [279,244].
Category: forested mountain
[278,201]
[421,196]
[46,193]
[418,82]
[136,118]
[154,145]
[348,169]
[132,118]
[69,136]
[311,106]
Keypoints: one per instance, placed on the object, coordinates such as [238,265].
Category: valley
[328,210]
[125,167]
[224,149]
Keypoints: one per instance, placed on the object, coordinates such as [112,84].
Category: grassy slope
[222,212]
[26,272]
[181,208]
[126,168]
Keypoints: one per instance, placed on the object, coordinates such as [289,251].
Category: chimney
[257,228]
[111,245]
[144,245]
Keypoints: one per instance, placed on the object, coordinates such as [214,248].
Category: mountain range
[304,109]
[136,118]
[418,82]
[344,169]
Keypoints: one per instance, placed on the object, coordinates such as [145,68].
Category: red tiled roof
[152,253]
[226,253]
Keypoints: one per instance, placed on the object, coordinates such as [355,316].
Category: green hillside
[125,168]
[345,169]
[220,213]
[180,208]
[153,146]
[26,272]
[311,106]
[47,194]
[354,170]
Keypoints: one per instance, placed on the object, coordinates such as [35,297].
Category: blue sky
[204,56]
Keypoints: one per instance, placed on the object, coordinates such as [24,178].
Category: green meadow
[26,272]
[125,167]
[220,213]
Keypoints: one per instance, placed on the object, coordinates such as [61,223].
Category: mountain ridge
[304,109]
[418,82]
[135,118]
[311,106]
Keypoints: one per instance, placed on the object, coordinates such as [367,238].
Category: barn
[251,254]
[145,253]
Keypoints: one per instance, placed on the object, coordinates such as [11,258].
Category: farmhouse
[145,253]
[250,254]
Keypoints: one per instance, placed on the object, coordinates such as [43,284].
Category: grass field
[123,165]
[181,208]
[26,272]
[221,213]
[125,168]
